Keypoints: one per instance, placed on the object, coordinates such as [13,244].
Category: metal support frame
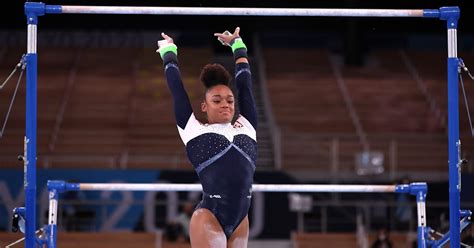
[448,14]
[451,16]
[417,189]
[29,160]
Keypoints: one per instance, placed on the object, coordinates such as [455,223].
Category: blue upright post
[30,144]
[32,11]
[451,15]
[55,188]
[419,190]
[422,229]
[52,219]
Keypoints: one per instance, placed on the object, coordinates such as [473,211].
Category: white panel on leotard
[194,128]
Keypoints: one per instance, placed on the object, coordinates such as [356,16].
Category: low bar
[256,187]
[419,189]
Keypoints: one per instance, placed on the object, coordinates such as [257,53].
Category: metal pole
[411,188]
[454,144]
[419,190]
[30,137]
[52,218]
[421,213]
[256,187]
[67,9]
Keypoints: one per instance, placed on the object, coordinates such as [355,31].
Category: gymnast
[223,152]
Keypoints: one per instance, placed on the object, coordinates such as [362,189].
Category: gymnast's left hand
[167,41]
[226,38]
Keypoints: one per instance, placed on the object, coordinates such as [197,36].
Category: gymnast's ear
[204,107]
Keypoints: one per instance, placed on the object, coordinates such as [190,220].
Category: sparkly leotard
[223,155]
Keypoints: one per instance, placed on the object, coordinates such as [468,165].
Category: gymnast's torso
[223,155]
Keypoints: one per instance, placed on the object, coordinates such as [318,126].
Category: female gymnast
[223,153]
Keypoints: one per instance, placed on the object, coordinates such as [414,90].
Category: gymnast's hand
[167,41]
[227,38]
[166,45]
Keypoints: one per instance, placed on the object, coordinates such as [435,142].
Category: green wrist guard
[238,48]
[171,48]
[237,43]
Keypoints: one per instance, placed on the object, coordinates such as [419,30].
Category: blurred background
[340,100]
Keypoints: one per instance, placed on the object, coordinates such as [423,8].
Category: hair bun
[214,74]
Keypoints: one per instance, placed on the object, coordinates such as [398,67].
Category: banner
[269,214]
[102,217]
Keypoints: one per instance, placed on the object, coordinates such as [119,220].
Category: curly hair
[214,74]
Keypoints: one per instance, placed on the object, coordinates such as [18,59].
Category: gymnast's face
[219,104]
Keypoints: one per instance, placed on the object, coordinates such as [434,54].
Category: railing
[333,156]
[172,161]
[328,156]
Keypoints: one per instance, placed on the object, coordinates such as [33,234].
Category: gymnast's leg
[205,231]
[240,236]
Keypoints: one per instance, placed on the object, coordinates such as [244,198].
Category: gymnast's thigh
[240,237]
[205,231]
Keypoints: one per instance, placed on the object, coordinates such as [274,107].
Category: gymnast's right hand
[166,45]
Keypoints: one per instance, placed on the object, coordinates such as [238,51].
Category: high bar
[327,12]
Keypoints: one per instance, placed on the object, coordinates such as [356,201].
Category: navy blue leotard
[223,155]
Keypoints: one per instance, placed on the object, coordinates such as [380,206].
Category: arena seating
[111,108]
[304,94]
[394,113]
[117,109]
[435,76]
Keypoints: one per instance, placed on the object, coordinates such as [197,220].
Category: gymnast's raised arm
[243,76]
[169,54]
